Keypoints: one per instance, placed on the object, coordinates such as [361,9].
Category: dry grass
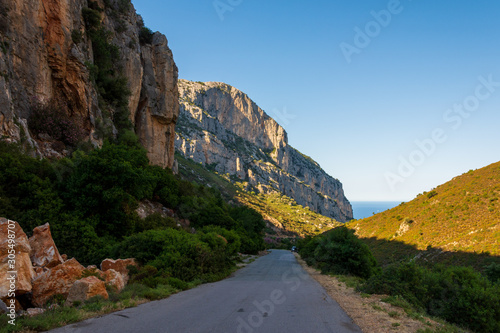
[460,215]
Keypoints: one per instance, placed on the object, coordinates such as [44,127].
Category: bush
[145,36]
[339,251]
[52,118]
[155,221]
[457,294]
[493,272]
[176,253]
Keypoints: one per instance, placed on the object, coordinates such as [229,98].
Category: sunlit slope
[284,217]
[460,215]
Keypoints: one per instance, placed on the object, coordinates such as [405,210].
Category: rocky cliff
[222,128]
[47,54]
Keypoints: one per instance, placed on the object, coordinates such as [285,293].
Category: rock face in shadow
[46,55]
[222,128]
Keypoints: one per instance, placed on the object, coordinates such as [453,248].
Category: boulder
[3,307]
[114,279]
[34,312]
[13,238]
[119,265]
[57,280]
[86,288]
[44,252]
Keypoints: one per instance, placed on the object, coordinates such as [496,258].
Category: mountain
[461,216]
[222,128]
[89,63]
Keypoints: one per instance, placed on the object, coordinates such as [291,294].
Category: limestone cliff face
[224,129]
[41,60]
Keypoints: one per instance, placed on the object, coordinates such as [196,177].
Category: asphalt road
[273,294]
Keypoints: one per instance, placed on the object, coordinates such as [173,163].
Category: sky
[393,98]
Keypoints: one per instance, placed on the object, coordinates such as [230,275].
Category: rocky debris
[31,312]
[147,208]
[404,227]
[44,251]
[35,286]
[85,289]
[14,240]
[58,280]
[114,279]
[222,128]
[119,265]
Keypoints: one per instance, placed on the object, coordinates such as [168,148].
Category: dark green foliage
[109,79]
[90,201]
[155,221]
[145,36]
[339,251]
[431,194]
[458,294]
[52,118]
[230,236]
[105,186]
[176,253]
[493,272]
[91,17]
[76,36]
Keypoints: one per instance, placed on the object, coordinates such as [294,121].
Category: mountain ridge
[221,127]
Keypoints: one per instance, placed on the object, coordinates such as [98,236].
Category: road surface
[273,294]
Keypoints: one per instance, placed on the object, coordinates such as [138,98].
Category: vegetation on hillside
[459,295]
[90,201]
[287,218]
[460,217]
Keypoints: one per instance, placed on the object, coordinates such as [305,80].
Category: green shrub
[493,272]
[176,253]
[145,36]
[457,294]
[76,36]
[155,221]
[340,251]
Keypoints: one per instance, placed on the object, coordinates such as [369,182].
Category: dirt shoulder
[368,311]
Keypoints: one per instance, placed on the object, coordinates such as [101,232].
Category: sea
[362,209]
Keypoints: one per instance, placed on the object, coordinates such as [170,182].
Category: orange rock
[119,265]
[114,279]
[44,252]
[58,280]
[86,288]
[14,257]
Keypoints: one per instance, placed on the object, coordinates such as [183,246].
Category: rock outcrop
[222,128]
[42,273]
[56,281]
[119,265]
[44,251]
[46,55]
[16,270]
[114,279]
[85,289]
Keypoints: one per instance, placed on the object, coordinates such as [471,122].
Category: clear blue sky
[358,119]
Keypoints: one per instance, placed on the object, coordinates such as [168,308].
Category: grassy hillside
[285,217]
[456,221]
